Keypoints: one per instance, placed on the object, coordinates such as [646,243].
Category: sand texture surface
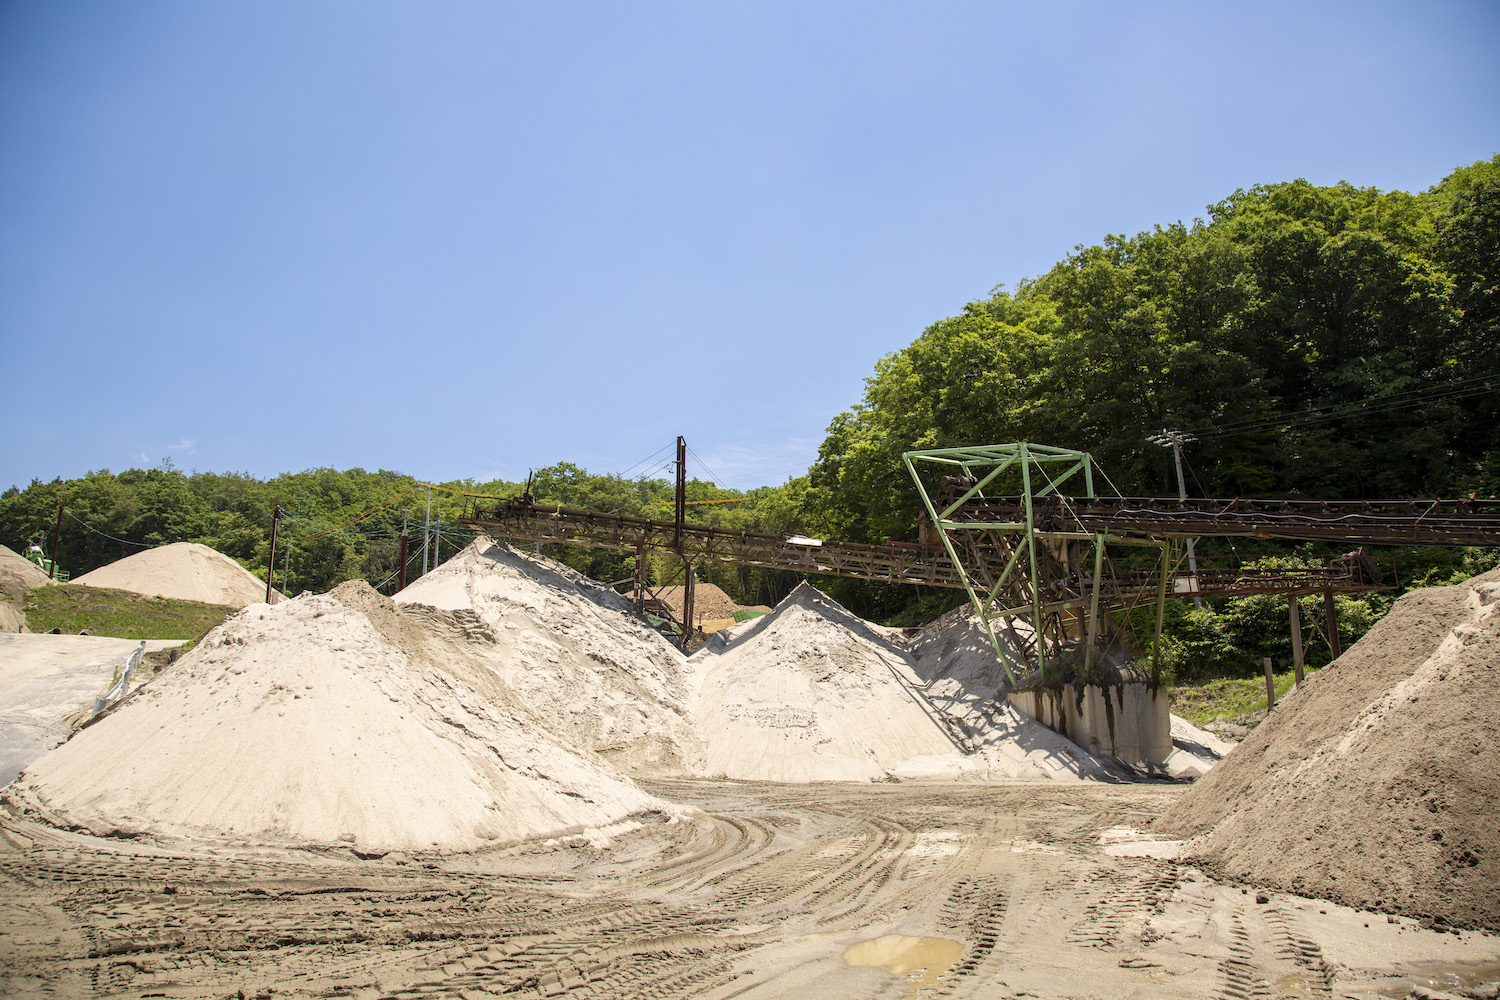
[807,697]
[1377,784]
[305,723]
[17,575]
[186,571]
[569,649]
[811,692]
[773,892]
[46,681]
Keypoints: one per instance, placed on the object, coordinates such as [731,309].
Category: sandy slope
[304,723]
[1377,784]
[570,651]
[17,575]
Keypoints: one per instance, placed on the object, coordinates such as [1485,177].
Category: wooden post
[680,500]
[271,562]
[56,542]
[639,599]
[401,581]
[1270,687]
[1333,624]
[687,604]
[1295,614]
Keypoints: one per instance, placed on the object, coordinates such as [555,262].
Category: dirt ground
[776,891]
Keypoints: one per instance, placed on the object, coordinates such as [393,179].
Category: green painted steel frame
[983,464]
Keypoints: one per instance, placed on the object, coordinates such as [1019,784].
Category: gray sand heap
[185,571]
[568,648]
[1377,784]
[810,692]
[328,720]
[17,575]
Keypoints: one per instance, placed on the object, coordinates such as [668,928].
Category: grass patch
[1234,699]
[72,608]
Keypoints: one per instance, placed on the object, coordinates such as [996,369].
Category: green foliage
[1327,342]
[1228,699]
[119,613]
[1330,342]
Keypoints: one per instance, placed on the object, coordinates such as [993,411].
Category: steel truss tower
[1046,595]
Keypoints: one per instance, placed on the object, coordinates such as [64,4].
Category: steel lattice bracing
[1035,585]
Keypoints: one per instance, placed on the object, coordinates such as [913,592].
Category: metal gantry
[1035,584]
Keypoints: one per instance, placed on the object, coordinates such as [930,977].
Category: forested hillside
[1323,342]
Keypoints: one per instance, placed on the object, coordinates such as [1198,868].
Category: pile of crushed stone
[184,571]
[811,692]
[329,720]
[17,575]
[569,649]
[1377,783]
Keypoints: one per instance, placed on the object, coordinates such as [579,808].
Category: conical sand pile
[17,575]
[812,693]
[308,722]
[569,650]
[1377,784]
[185,571]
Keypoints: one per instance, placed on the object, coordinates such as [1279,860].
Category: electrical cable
[648,458]
[704,466]
[1459,385]
[126,541]
[374,510]
[1329,412]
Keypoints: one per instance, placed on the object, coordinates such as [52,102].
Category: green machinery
[1054,589]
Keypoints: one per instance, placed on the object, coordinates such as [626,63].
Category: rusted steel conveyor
[1367,522]
[893,562]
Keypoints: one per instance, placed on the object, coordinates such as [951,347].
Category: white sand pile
[812,693]
[1377,783]
[572,653]
[185,571]
[17,575]
[960,672]
[308,723]
[964,679]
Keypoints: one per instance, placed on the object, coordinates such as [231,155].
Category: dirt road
[778,891]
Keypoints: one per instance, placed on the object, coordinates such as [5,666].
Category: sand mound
[710,603]
[307,722]
[186,571]
[959,670]
[812,693]
[1377,784]
[17,575]
[571,652]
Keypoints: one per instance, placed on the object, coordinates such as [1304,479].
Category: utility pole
[426,530]
[1175,440]
[271,563]
[437,542]
[401,585]
[681,499]
[687,567]
[56,542]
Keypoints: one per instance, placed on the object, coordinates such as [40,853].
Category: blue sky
[464,239]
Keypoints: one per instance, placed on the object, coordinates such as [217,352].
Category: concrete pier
[1129,720]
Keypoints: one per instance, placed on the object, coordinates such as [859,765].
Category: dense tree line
[1323,342]
[341,525]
